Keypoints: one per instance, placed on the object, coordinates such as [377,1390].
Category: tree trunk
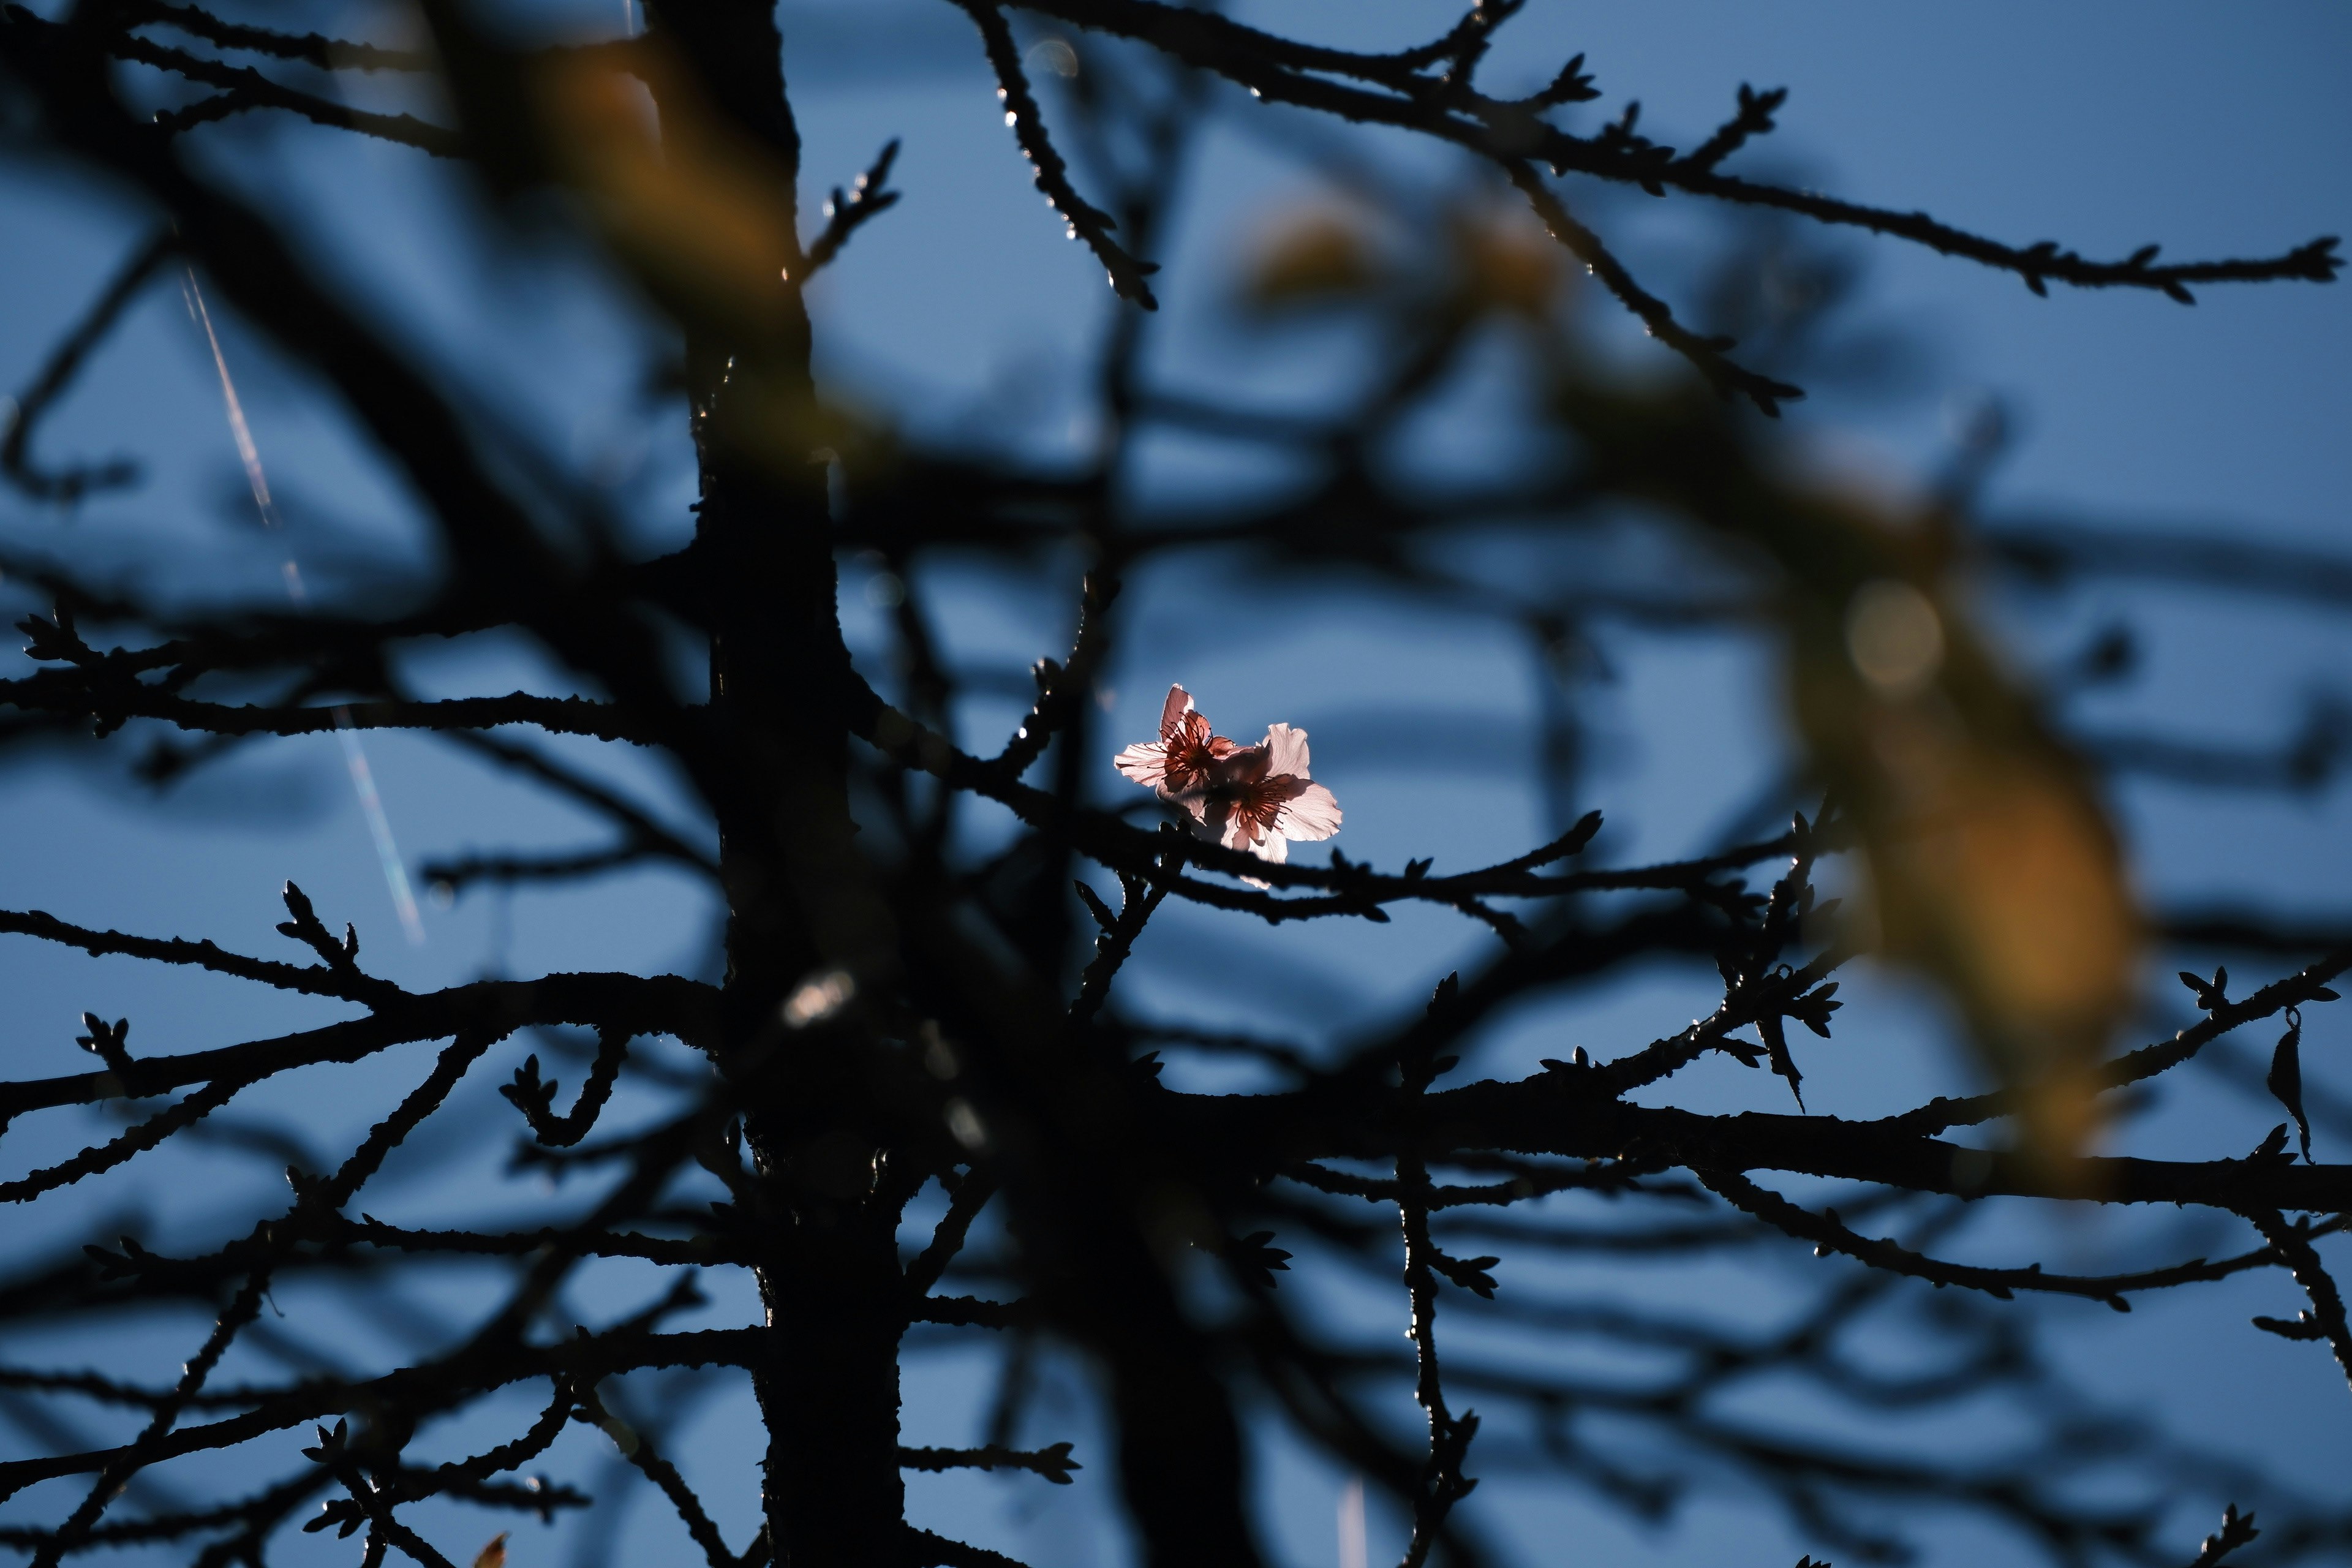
[800,900]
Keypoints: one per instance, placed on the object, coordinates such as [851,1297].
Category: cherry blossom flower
[1177,764]
[1258,798]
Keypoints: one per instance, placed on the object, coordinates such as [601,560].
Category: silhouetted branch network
[916,1028]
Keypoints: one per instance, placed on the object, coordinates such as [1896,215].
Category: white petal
[1274,847]
[1146,763]
[1312,814]
[1287,751]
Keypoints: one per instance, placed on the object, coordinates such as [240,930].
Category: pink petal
[1179,703]
[1192,800]
[1241,765]
[1287,751]
[1146,763]
[1313,813]
[1274,848]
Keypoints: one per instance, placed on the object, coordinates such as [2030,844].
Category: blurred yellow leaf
[1993,870]
[697,207]
[1327,253]
[1506,262]
[1992,865]
[1311,256]
[703,215]
[494,1555]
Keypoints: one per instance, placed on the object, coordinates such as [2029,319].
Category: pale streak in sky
[387,852]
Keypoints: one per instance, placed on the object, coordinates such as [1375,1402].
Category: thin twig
[848,212]
[639,1450]
[1088,223]
[2292,1242]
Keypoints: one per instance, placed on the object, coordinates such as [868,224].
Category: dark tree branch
[69,485]
[1053,1462]
[639,1450]
[2149,1061]
[1088,223]
[1828,1235]
[2292,1242]
[241,88]
[971,1195]
[662,1005]
[848,212]
[926,1550]
[899,1002]
[311,48]
[638,824]
[127,1146]
[478,1368]
[114,700]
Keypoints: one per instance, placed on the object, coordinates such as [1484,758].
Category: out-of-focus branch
[311,48]
[639,1450]
[69,485]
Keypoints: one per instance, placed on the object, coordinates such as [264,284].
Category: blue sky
[2104,126]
